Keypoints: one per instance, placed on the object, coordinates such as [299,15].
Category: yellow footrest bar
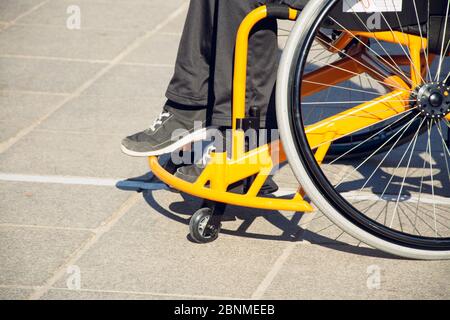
[222,172]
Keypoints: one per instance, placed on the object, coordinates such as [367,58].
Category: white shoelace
[159,120]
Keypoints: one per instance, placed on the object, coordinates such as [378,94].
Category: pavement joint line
[80,133]
[24,14]
[279,263]
[86,245]
[174,295]
[23,287]
[47,93]
[52,58]
[173,34]
[14,225]
[150,65]
[130,48]
[93,61]
[273,272]
[84,28]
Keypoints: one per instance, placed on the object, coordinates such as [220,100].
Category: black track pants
[201,86]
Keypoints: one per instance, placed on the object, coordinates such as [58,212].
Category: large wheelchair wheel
[393,195]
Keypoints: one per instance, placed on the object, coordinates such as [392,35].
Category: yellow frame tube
[357,118]
[244,200]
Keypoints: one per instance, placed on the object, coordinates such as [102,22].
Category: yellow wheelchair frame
[223,171]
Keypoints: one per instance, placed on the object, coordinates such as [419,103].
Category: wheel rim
[393,226]
[202,227]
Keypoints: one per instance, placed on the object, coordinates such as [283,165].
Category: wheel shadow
[425,173]
[291,231]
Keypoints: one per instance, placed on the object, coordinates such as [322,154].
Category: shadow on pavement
[292,232]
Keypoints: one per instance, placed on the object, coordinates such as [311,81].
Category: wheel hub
[433,100]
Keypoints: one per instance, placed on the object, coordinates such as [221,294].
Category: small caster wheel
[200,230]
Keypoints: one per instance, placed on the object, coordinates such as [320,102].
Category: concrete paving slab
[164,210]
[14,293]
[344,272]
[45,75]
[30,256]
[19,110]
[263,225]
[162,49]
[132,81]
[11,9]
[160,260]
[66,294]
[285,178]
[73,154]
[176,26]
[101,14]
[64,43]
[320,230]
[9,130]
[171,212]
[54,205]
[117,116]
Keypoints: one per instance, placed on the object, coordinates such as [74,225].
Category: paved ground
[67,98]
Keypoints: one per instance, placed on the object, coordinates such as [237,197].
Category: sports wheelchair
[363,110]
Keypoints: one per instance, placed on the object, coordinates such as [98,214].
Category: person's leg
[262,64]
[261,75]
[262,60]
[190,82]
[204,71]
[184,116]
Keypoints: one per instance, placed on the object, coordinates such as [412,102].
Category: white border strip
[11,177]
[110,182]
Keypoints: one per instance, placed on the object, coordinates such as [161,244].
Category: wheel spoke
[340,87]
[407,113]
[406,172]
[441,57]
[421,186]
[360,75]
[402,131]
[398,42]
[430,125]
[348,102]
[387,154]
[359,62]
[421,43]
[397,68]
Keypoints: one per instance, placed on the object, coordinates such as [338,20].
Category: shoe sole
[192,137]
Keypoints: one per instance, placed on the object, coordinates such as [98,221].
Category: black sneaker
[167,134]
[190,173]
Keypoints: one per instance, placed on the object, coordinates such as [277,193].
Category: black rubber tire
[198,220]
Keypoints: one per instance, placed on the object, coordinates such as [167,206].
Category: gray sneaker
[191,173]
[167,134]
